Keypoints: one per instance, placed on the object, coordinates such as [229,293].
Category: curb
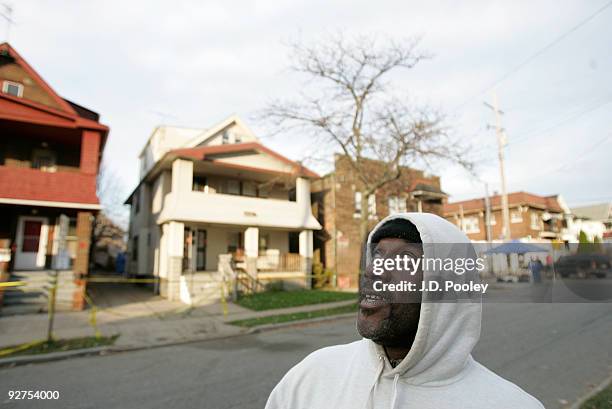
[58,356]
[595,391]
[52,356]
[270,327]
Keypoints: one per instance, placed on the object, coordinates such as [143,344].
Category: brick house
[336,201]
[50,152]
[532,217]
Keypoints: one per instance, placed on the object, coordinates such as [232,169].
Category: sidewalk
[141,320]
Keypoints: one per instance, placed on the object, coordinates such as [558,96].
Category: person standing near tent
[535,266]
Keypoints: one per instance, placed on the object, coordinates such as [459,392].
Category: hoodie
[438,372]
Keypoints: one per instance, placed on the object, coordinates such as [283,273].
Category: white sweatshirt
[438,372]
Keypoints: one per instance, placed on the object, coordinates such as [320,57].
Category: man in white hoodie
[414,354]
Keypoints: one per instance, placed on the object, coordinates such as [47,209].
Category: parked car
[583,266]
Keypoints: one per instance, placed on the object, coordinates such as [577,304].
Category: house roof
[66,114]
[425,186]
[549,203]
[206,134]
[209,153]
[601,211]
[186,133]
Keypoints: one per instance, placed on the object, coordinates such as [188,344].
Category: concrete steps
[204,287]
[33,297]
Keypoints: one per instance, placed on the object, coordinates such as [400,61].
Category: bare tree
[351,106]
[111,192]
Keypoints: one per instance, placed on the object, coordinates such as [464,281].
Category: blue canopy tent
[516,248]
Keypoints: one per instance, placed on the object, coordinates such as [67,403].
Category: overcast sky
[144,63]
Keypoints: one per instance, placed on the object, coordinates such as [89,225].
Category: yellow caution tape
[9,351]
[120,280]
[12,284]
[92,316]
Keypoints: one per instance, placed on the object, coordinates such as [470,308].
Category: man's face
[381,317]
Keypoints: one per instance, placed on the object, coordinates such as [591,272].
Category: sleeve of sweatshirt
[277,398]
[285,391]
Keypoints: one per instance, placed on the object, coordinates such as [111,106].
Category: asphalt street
[554,351]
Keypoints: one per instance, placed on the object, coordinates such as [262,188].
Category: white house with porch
[218,194]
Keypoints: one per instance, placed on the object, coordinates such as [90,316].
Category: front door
[31,243]
[201,250]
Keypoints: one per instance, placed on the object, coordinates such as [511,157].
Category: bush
[322,277]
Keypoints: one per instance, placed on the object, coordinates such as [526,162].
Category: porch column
[90,151]
[182,175]
[251,249]
[172,259]
[81,262]
[305,242]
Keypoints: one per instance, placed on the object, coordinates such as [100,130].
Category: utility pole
[501,143]
[488,213]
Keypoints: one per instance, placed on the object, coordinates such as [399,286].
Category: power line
[577,158]
[525,136]
[536,54]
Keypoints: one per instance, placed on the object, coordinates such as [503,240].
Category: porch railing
[275,262]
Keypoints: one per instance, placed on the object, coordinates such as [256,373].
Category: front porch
[199,268]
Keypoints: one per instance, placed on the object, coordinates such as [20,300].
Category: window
[44,160]
[371,205]
[263,242]
[249,189]
[516,216]
[357,203]
[199,184]
[397,204]
[492,219]
[237,139]
[234,242]
[201,250]
[264,191]
[136,201]
[72,228]
[233,187]
[225,138]
[471,224]
[135,248]
[12,88]
[535,221]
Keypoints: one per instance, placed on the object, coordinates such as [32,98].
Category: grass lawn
[276,319]
[57,345]
[270,300]
[603,400]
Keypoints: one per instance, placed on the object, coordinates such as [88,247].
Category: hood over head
[448,329]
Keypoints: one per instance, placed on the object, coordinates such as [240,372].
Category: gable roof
[209,133]
[67,114]
[64,105]
[601,211]
[208,153]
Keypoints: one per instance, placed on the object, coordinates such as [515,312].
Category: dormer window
[12,88]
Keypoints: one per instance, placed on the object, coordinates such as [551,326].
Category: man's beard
[398,329]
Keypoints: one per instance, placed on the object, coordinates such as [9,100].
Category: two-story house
[50,150]
[337,205]
[532,217]
[208,193]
